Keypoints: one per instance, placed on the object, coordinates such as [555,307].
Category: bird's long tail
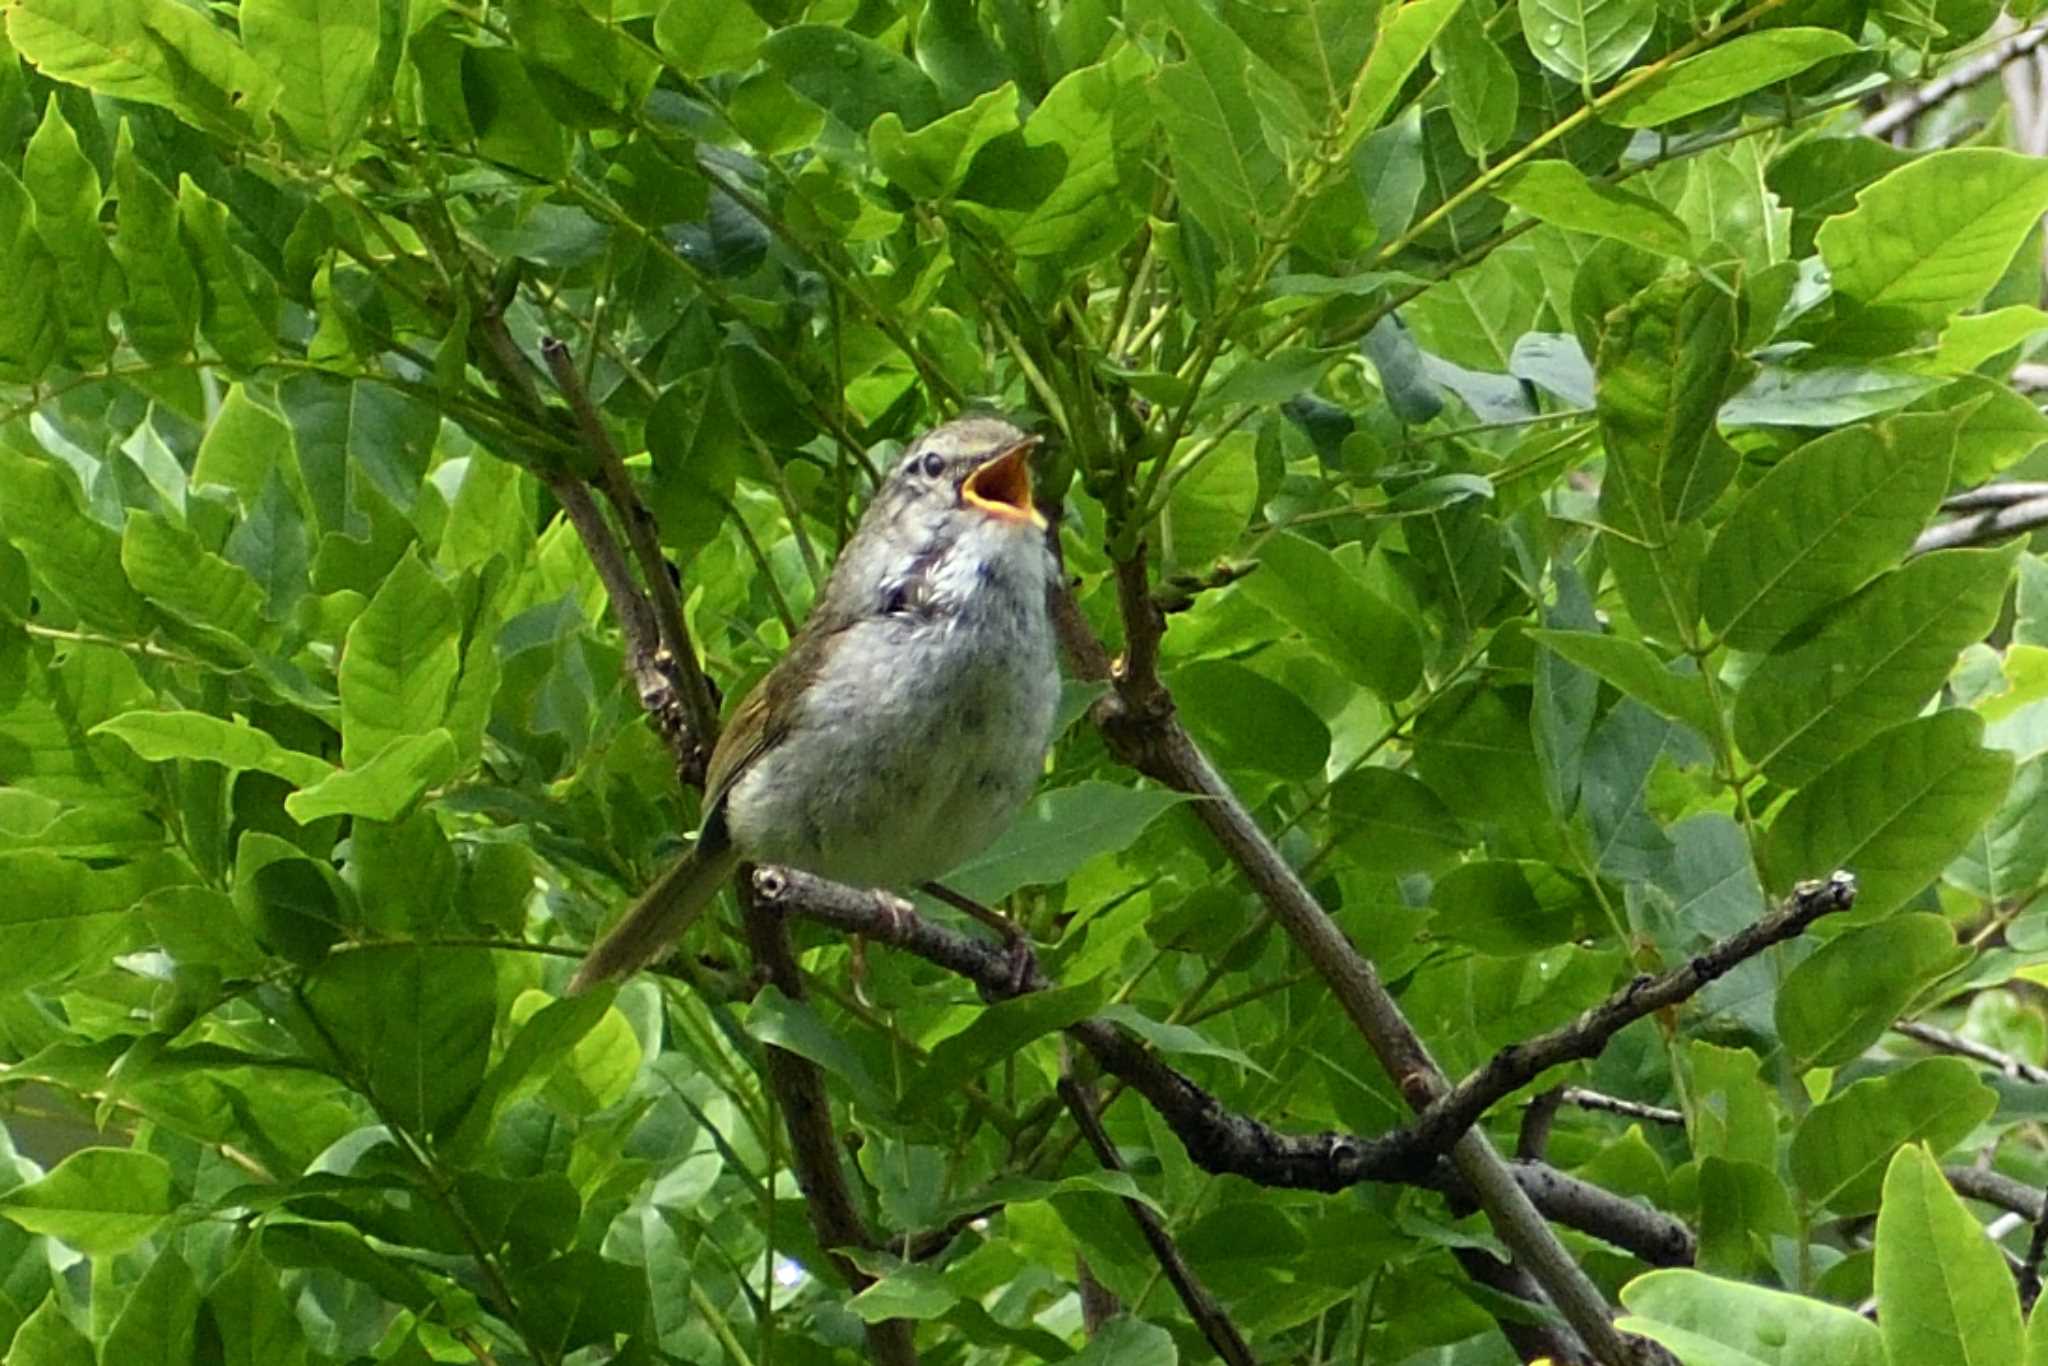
[662,913]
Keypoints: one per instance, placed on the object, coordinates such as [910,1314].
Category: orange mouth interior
[1001,487]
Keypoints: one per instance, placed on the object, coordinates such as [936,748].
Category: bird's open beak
[1001,487]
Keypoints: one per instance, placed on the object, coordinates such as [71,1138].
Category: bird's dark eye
[934,465]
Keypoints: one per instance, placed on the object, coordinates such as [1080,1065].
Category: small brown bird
[909,720]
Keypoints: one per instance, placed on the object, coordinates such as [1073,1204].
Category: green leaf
[997,1033]
[254,1320]
[856,79]
[1827,519]
[238,301]
[241,446]
[161,311]
[72,555]
[66,191]
[1247,721]
[290,904]
[794,1027]
[1055,190]
[908,1292]
[167,565]
[150,51]
[1490,905]
[1058,832]
[30,329]
[513,123]
[1712,1322]
[412,1025]
[2008,857]
[1559,192]
[99,1201]
[1744,1208]
[399,663]
[1726,72]
[704,40]
[234,744]
[1483,88]
[1842,999]
[1840,1150]
[1868,663]
[324,53]
[2000,427]
[1586,41]
[1175,1039]
[1828,396]
[1405,34]
[1975,338]
[1125,1341]
[158,1324]
[1209,508]
[1230,178]
[47,1338]
[1363,637]
[1927,241]
[544,1039]
[1392,823]
[1894,812]
[1635,669]
[383,787]
[1664,362]
[1732,1113]
[588,69]
[933,162]
[1947,1294]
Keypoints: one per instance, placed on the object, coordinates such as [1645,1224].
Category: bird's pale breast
[894,794]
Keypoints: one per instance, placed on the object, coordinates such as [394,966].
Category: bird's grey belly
[895,794]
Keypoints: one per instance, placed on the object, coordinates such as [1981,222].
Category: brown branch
[695,705]
[1202,1306]
[799,1088]
[1531,1340]
[1138,723]
[1537,1121]
[1981,1183]
[1455,1112]
[1217,1139]
[1969,1048]
[1901,112]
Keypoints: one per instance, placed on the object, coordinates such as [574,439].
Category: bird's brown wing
[763,715]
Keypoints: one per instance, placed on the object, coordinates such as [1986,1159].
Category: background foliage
[1578,377]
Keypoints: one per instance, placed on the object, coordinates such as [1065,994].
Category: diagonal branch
[677,660]
[1901,112]
[1455,1111]
[1218,1139]
[1202,1306]
[1157,746]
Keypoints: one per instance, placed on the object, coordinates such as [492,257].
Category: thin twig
[1942,1039]
[1994,524]
[1615,1105]
[2003,493]
[1899,113]
[1202,1306]
[1457,1110]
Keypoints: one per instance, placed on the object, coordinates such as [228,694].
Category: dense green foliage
[1576,375]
